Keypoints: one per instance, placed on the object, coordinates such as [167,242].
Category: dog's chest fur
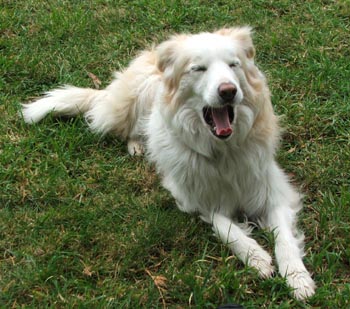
[232,178]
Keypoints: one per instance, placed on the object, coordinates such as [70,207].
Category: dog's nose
[227,91]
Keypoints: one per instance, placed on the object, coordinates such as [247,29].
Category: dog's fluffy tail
[108,110]
[66,101]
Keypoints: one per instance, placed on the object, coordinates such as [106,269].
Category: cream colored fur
[158,104]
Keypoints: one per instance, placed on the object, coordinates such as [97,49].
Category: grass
[82,224]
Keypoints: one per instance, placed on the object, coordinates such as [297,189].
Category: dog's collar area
[219,120]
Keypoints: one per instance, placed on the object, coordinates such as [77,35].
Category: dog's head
[210,74]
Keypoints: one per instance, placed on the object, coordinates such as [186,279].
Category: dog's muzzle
[220,118]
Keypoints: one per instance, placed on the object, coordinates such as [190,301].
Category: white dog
[201,109]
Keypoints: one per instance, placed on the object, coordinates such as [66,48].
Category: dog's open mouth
[220,120]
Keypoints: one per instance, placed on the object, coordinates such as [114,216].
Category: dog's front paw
[261,261]
[135,148]
[302,284]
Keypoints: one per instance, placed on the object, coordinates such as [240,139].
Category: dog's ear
[167,52]
[243,35]
[171,61]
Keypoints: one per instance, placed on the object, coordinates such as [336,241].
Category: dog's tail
[66,101]
[108,110]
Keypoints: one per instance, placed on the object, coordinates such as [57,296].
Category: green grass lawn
[83,224]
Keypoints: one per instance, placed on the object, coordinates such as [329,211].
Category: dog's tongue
[222,121]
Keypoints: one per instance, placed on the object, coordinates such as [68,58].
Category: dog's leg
[289,252]
[244,247]
[283,205]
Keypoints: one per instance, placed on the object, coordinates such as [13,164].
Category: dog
[200,109]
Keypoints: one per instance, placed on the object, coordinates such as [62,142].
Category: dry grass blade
[160,283]
[95,80]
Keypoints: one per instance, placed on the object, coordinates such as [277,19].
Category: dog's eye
[233,64]
[198,68]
